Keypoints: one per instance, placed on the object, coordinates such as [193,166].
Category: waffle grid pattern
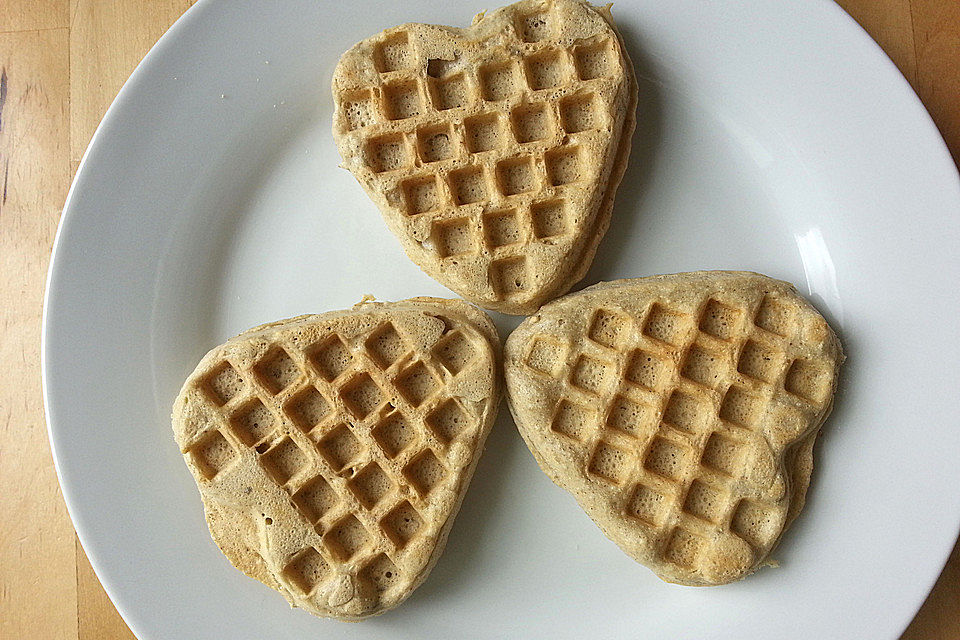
[494,157]
[342,427]
[672,439]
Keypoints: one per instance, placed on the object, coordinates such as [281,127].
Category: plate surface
[772,136]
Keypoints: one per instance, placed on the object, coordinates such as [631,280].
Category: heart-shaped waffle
[332,451]
[493,152]
[680,411]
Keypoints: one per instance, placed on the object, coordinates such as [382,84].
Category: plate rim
[851,28]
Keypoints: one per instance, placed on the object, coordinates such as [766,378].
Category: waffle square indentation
[719,320]
[549,219]
[565,166]
[447,420]
[331,357]
[498,80]
[468,185]
[381,573]
[393,434]
[509,277]
[361,395]
[741,407]
[306,570]
[545,355]
[401,524]
[809,380]
[346,538]
[517,175]
[534,26]
[252,422]
[454,237]
[703,366]
[705,501]
[686,411]
[579,113]
[416,383]
[449,92]
[315,498]
[420,195]
[647,370]
[775,316]
[386,153]
[756,523]
[223,384]
[370,485]
[436,143]
[610,462]
[684,548]
[546,69]
[359,109]
[339,447]
[483,133]
[722,454]
[393,54]
[574,420]
[666,458]
[454,351]
[759,362]
[385,345]
[276,370]
[666,325]
[212,454]
[591,374]
[609,328]
[425,472]
[630,417]
[284,460]
[532,122]
[647,505]
[401,100]
[596,60]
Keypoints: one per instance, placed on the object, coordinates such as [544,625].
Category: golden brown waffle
[493,152]
[332,451]
[680,411]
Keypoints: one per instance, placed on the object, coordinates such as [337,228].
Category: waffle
[332,451]
[492,152]
[680,411]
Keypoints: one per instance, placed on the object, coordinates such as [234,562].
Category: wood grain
[936,25]
[64,63]
[889,23]
[36,537]
[107,40]
[939,618]
[97,618]
[27,15]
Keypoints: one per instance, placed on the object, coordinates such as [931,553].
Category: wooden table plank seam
[62,63]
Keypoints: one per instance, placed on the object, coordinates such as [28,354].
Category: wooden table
[62,64]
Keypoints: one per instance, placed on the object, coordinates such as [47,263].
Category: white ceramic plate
[772,136]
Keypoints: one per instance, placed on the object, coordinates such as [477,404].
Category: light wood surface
[61,64]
